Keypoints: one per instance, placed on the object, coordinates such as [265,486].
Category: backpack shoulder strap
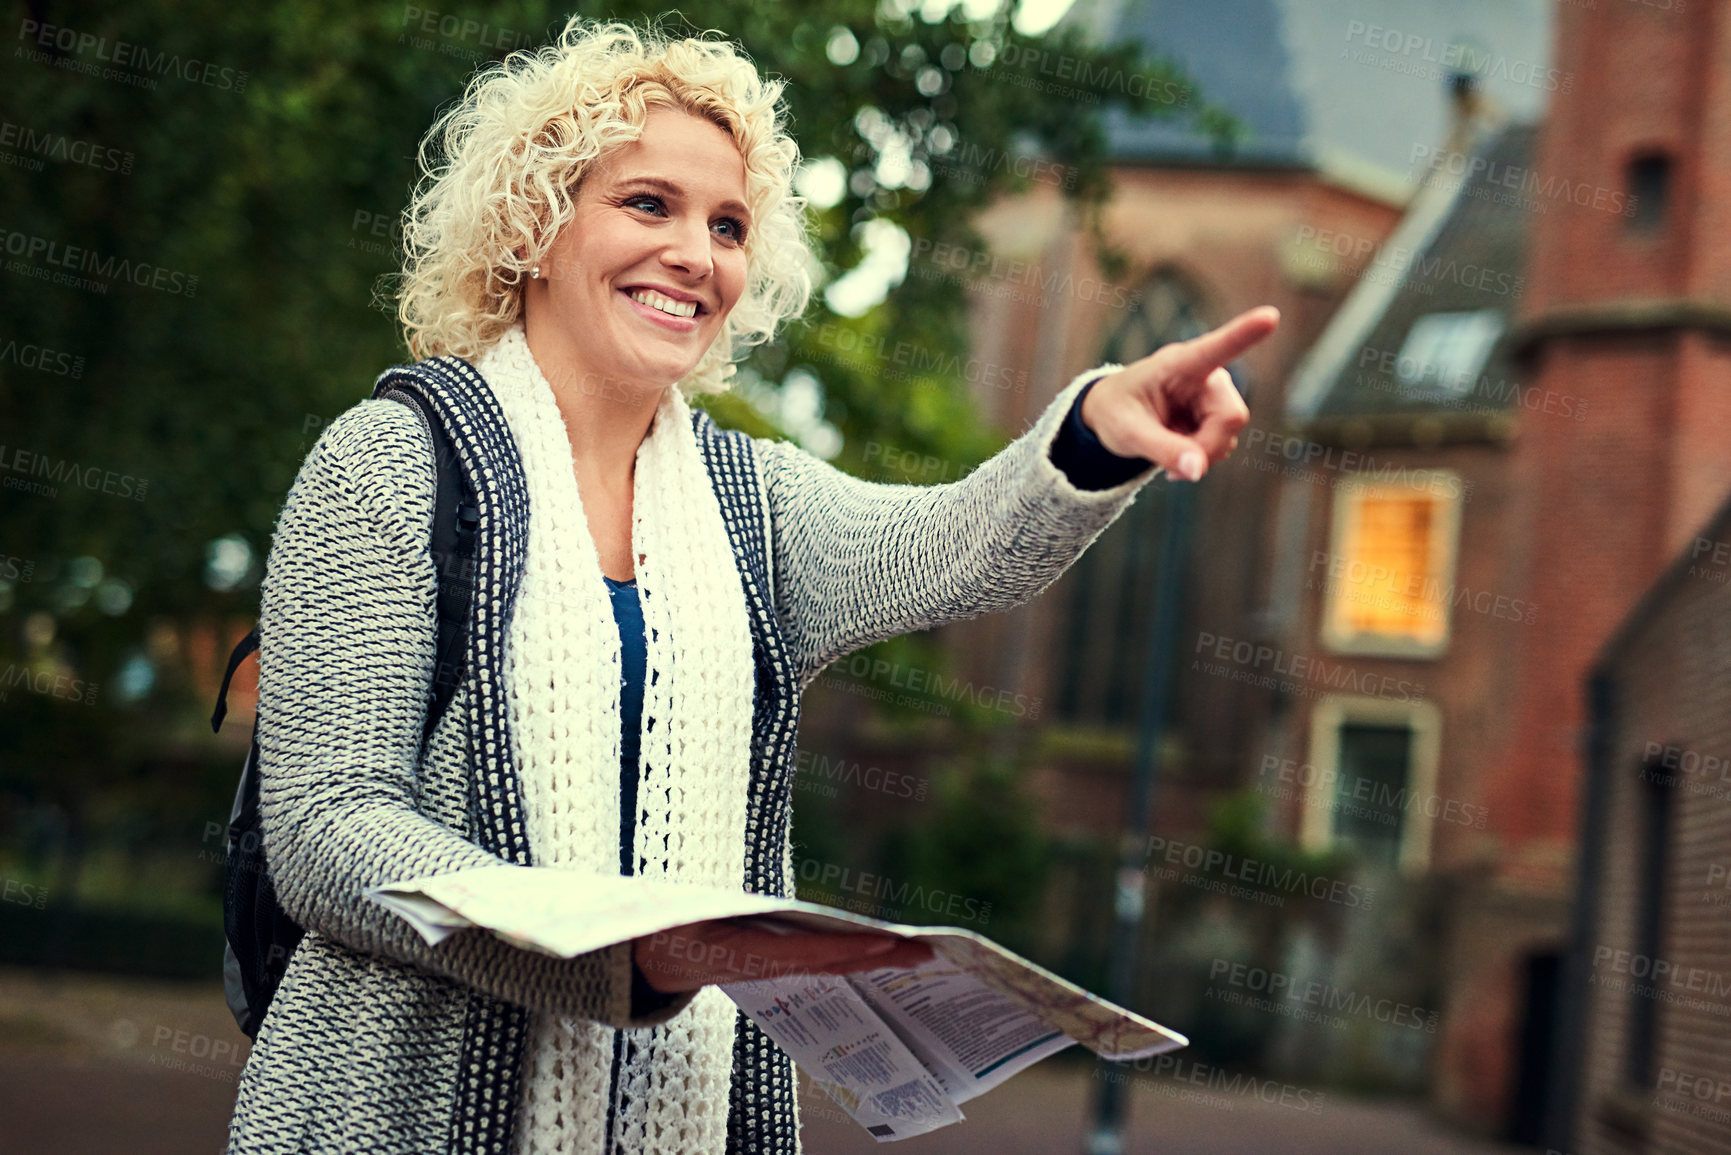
[242,650]
[455,517]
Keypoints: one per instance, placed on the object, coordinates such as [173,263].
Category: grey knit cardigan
[378,1042]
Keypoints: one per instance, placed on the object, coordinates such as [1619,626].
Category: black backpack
[261,938]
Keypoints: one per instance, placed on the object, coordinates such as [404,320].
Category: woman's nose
[688,249]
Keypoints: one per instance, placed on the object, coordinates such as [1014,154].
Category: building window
[1374,763]
[1654,792]
[1649,192]
[1166,310]
[1388,580]
[1371,786]
[1106,593]
[1444,352]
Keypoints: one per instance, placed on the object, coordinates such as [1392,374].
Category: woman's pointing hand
[1177,407]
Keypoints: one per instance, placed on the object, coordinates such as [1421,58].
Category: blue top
[634,660]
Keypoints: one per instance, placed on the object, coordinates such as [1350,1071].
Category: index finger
[1202,355]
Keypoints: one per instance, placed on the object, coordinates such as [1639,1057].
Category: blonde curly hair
[500,172]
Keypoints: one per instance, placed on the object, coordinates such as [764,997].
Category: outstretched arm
[857,561]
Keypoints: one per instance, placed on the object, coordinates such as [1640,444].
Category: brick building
[1603,340]
[1406,605]
[1330,158]
[1505,375]
[1611,344]
[1646,1064]
[1633,313]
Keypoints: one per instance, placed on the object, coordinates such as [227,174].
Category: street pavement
[93,1065]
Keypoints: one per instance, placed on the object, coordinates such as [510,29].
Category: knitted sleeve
[345,675]
[858,561]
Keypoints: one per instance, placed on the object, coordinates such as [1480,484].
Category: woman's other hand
[723,951]
[1177,407]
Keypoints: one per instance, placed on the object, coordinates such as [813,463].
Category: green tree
[237,171]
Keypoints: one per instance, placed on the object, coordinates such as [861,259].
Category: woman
[611,224]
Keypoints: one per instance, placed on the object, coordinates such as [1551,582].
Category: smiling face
[637,286]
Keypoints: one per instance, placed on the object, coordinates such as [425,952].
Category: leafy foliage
[242,170]
[980,850]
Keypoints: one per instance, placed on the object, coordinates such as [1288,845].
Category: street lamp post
[1106,1137]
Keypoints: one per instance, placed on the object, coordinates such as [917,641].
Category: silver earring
[534,272]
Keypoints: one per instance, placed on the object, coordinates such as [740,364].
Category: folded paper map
[898,1048]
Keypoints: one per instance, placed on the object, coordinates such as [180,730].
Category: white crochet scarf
[563,674]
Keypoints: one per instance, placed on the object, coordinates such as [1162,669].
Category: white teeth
[666,304]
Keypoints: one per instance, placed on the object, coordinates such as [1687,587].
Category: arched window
[1166,310]
[1110,590]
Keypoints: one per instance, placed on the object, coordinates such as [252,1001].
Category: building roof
[1424,331]
[1358,87]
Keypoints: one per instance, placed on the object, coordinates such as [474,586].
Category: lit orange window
[1388,579]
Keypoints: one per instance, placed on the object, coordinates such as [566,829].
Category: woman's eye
[653,203]
[732,229]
